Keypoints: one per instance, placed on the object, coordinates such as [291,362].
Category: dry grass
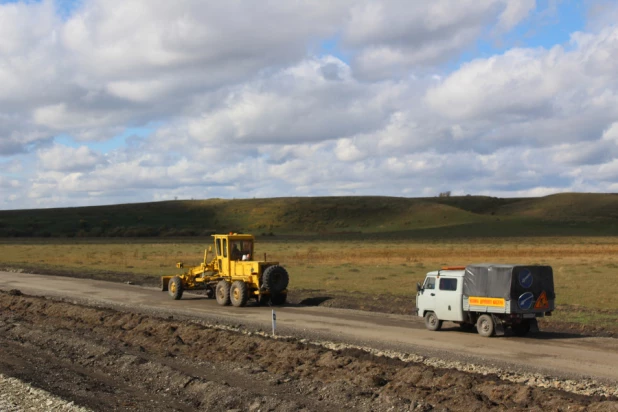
[585,269]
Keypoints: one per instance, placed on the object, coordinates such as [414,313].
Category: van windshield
[430,283]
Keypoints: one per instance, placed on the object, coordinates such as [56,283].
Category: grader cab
[232,276]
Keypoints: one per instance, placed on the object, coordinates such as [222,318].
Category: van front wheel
[432,322]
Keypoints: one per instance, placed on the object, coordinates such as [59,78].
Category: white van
[489,297]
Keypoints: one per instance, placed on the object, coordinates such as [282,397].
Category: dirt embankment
[109,360]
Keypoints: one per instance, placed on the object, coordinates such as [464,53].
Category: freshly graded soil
[107,359]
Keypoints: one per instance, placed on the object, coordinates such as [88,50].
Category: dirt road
[142,338]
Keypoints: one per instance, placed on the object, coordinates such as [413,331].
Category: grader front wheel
[175,288]
[239,293]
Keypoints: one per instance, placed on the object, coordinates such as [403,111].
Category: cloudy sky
[116,101]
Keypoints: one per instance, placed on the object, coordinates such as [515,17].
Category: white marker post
[274,322]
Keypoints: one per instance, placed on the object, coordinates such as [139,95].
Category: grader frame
[231,276]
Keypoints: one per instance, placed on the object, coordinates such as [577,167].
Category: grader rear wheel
[239,293]
[175,288]
[223,293]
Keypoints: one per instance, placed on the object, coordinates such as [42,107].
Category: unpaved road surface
[110,346]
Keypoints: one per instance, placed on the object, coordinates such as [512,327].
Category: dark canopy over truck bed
[508,281]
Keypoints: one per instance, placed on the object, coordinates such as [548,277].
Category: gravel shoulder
[16,396]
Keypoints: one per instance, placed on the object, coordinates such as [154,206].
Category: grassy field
[585,269]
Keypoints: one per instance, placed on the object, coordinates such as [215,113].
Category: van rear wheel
[432,322]
[485,326]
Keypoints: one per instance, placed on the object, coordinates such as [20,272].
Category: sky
[122,101]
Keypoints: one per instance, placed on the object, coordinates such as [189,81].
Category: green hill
[566,207]
[561,214]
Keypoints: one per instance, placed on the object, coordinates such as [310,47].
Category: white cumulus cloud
[61,158]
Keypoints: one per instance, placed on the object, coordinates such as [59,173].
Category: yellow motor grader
[232,276]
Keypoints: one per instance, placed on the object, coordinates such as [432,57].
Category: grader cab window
[241,249]
[218,247]
[235,253]
[247,249]
[224,247]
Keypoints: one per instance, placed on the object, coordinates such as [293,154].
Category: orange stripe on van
[480,301]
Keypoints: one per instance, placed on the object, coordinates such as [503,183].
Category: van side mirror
[418,287]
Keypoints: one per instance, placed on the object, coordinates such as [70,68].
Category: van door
[425,299]
[448,297]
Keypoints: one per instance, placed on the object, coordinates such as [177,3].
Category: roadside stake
[274,322]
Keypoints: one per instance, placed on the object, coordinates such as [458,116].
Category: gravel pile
[17,396]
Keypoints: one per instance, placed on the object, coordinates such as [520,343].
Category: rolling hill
[560,214]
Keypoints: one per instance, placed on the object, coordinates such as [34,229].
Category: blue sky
[64,8]
[551,24]
[124,101]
